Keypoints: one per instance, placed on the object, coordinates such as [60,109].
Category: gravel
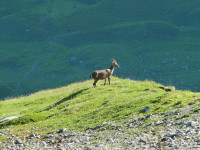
[155,131]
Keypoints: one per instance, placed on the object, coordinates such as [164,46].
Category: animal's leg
[94,84]
[105,82]
[109,80]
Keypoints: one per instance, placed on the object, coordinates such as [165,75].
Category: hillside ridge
[79,108]
[54,43]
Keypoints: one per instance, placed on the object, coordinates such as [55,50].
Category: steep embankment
[126,107]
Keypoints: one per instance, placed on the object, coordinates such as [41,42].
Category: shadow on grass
[72,96]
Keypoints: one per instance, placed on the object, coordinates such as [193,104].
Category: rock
[170,112]
[142,141]
[44,143]
[141,119]
[18,141]
[9,118]
[130,134]
[46,136]
[167,89]
[60,140]
[51,135]
[32,135]
[172,135]
[191,103]
[148,89]
[59,145]
[62,130]
[164,139]
[188,124]
[69,135]
[146,109]
[148,116]
[159,122]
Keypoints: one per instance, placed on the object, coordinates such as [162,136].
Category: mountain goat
[103,74]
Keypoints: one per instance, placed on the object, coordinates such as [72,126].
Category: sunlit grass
[79,105]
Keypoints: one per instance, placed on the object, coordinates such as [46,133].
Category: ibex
[103,74]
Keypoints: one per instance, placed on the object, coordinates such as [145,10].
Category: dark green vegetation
[46,44]
[80,106]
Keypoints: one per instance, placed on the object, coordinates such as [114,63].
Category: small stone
[46,136]
[172,135]
[62,130]
[188,124]
[18,141]
[164,139]
[69,135]
[32,135]
[170,145]
[191,103]
[148,116]
[104,123]
[146,109]
[59,145]
[148,89]
[167,89]
[38,136]
[51,135]
[159,122]
[60,140]
[170,112]
[43,143]
[142,141]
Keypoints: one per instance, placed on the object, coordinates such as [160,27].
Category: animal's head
[114,63]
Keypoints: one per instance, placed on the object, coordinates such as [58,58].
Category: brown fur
[103,74]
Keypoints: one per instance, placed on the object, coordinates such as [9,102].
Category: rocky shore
[175,129]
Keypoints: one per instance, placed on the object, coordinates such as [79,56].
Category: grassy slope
[79,105]
[154,40]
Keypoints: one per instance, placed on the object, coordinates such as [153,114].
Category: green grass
[154,40]
[79,105]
